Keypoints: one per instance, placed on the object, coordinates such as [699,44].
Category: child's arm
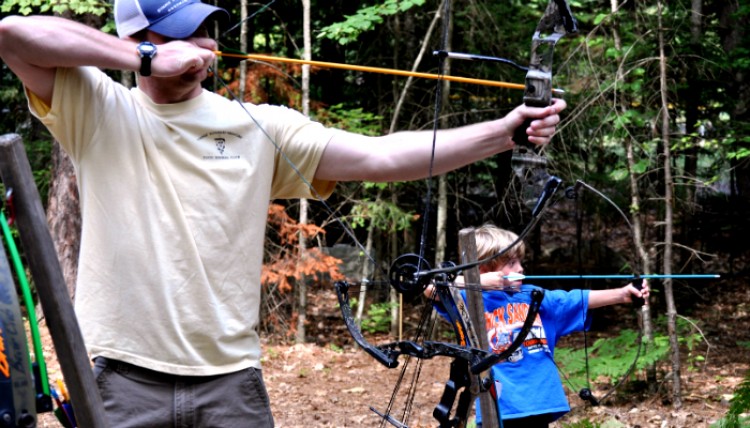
[599,298]
[489,280]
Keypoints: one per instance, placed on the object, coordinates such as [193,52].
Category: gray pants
[141,398]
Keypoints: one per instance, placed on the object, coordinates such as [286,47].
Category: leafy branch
[365,19]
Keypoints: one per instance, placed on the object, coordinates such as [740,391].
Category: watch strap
[147,51]
[145,70]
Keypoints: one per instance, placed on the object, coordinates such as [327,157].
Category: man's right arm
[34,47]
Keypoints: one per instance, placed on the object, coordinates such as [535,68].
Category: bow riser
[556,22]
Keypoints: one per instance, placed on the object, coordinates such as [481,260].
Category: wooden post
[468,246]
[50,284]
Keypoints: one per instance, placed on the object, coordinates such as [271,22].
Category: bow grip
[538,93]
[638,302]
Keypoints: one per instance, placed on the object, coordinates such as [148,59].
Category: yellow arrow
[269,58]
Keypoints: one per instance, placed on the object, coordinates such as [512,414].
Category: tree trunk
[476,330]
[366,266]
[734,26]
[415,66]
[442,205]
[692,102]
[64,215]
[668,220]
[303,205]
[243,47]
[642,256]
[394,297]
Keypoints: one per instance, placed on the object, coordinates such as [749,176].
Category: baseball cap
[176,19]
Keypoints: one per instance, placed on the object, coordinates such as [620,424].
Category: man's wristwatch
[147,51]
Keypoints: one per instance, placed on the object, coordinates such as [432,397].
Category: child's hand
[496,281]
[630,292]
[615,296]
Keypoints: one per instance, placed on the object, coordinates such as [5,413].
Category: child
[532,393]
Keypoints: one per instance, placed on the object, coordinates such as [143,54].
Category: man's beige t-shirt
[174,201]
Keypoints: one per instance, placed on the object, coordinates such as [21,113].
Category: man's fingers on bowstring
[180,56]
[205,43]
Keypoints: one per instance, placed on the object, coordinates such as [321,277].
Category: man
[175,183]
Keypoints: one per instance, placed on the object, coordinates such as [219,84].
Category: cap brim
[186,20]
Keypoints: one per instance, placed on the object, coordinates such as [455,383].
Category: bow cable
[425,326]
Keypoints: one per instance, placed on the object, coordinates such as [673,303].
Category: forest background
[658,122]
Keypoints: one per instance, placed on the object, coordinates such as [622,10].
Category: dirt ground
[323,386]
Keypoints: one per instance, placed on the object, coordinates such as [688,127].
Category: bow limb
[468,360]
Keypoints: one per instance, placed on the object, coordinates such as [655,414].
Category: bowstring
[348,230]
[427,320]
[636,264]
[345,226]
[261,10]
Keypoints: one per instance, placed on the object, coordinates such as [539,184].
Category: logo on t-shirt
[221,142]
[504,325]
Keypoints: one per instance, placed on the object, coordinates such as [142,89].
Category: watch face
[146,49]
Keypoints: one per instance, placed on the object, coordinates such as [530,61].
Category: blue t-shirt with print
[529,381]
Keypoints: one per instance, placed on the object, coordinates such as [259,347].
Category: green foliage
[382,215]
[611,357]
[351,119]
[737,148]
[737,416]
[39,153]
[365,19]
[378,319]
[78,7]
[580,424]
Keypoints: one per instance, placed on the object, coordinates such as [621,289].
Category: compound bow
[410,273]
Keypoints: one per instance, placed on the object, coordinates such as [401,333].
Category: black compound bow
[410,273]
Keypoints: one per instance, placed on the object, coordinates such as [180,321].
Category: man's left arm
[406,155]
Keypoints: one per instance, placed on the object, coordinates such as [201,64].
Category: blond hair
[491,240]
